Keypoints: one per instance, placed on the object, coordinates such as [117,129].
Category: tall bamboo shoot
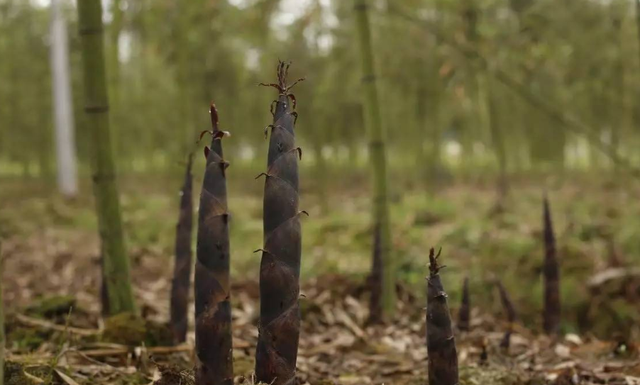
[279,327]
[212,291]
[183,256]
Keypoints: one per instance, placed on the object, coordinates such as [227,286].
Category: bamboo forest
[319,192]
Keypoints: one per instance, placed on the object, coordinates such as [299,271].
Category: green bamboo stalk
[488,90]
[116,263]
[378,158]
[571,123]
[185,93]
[114,47]
[638,21]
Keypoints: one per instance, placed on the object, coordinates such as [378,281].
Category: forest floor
[51,282]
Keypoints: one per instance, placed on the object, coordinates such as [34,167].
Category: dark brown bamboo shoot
[212,294]
[375,279]
[2,337]
[507,304]
[441,344]
[551,272]
[464,315]
[183,256]
[279,327]
[510,312]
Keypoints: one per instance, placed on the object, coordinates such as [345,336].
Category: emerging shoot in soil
[465,308]
[551,272]
[182,267]
[2,343]
[375,279]
[510,312]
[279,327]
[212,294]
[441,344]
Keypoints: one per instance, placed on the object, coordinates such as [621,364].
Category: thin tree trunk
[620,120]
[183,71]
[377,157]
[116,261]
[62,105]
[113,69]
[472,126]
[638,22]
[318,139]
[497,137]
[183,256]
[114,47]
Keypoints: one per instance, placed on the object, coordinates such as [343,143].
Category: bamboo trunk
[497,137]
[279,327]
[116,261]
[441,344]
[212,290]
[62,105]
[377,157]
[551,273]
[183,255]
[638,21]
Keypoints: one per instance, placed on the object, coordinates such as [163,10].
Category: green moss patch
[52,307]
[129,329]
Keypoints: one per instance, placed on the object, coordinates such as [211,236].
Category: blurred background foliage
[444,112]
[456,77]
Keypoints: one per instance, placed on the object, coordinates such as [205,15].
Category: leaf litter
[337,346]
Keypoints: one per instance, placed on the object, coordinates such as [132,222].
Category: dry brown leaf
[65,378]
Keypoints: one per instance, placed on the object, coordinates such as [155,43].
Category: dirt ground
[64,343]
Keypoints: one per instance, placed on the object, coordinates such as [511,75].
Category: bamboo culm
[212,292]
[378,159]
[183,256]
[279,325]
[116,270]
